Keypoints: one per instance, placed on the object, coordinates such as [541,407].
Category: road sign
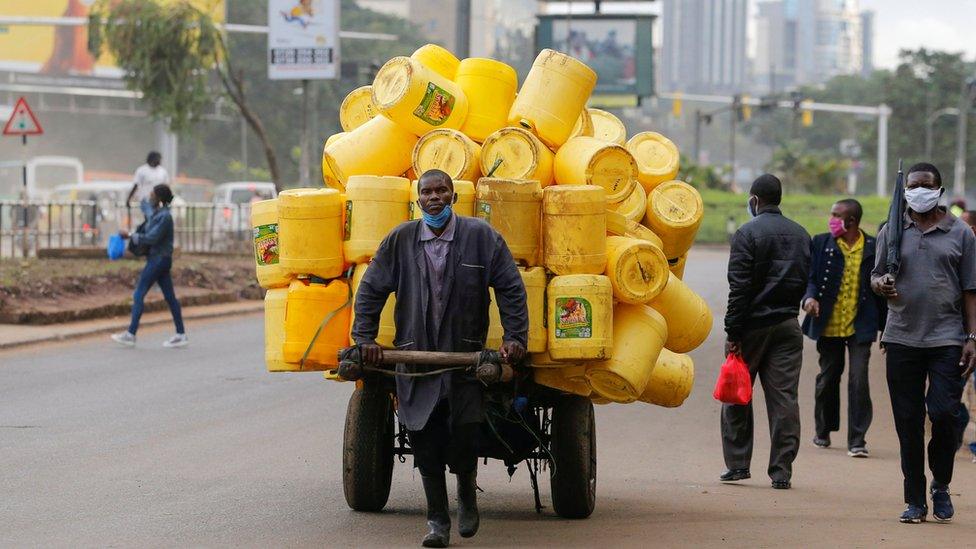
[22,121]
[303,39]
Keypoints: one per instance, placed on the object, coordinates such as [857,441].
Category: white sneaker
[179,340]
[125,339]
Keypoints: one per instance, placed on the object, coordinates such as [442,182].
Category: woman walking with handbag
[157,235]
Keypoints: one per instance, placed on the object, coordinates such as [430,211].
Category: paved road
[105,446]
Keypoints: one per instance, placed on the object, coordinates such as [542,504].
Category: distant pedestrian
[843,316]
[158,236]
[730,228]
[147,176]
[932,308]
[768,267]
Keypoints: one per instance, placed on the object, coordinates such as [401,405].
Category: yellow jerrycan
[677,265]
[513,208]
[464,205]
[534,279]
[417,98]
[374,207]
[639,333]
[671,380]
[544,360]
[312,305]
[378,147]
[490,87]
[437,59]
[264,227]
[584,125]
[636,268]
[518,155]
[274,331]
[607,127]
[552,96]
[387,327]
[674,212]
[618,225]
[634,207]
[569,379]
[689,318]
[590,161]
[357,108]
[310,232]
[580,323]
[657,159]
[574,229]
[451,152]
[335,137]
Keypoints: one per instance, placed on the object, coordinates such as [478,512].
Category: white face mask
[922,200]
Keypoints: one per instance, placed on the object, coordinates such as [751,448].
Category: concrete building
[704,46]
[867,43]
[500,29]
[802,42]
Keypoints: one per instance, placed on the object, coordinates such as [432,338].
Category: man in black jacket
[843,315]
[768,268]
[440,268]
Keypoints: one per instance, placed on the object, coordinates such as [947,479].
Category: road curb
[247,307]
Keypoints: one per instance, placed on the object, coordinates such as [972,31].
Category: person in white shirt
[146,177]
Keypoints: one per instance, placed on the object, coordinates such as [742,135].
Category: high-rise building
[867,43]
[704,46]
[500,29]
[808,42]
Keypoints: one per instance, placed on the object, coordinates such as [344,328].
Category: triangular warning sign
[22,121]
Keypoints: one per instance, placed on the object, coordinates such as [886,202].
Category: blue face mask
[437,221]
[749,209]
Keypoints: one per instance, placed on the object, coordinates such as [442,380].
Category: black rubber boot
[438,516]
[467,491]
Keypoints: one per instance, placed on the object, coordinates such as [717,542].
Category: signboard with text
[303,39]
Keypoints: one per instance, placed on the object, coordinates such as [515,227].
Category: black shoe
[782,484]
[913,514]
[467,492]
[732,475]
[941,502]
[438,516]
[821,442]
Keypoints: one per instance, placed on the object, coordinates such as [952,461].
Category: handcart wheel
[573,446]
[367,448]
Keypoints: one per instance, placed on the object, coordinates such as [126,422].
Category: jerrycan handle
[498,162]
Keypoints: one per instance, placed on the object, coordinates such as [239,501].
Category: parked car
[232,210]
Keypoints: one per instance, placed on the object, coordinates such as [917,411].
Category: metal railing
[27,227]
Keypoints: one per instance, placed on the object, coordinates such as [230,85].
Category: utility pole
[462,32]
[732,122]
[303,159]
[698,123]
[965,101]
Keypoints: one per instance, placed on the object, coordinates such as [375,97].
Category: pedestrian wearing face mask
[843,317]
[930,336]
[768,268]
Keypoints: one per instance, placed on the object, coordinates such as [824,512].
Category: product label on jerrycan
[574,318]
[266,244]
[347,222]
[436,106]
[484,211]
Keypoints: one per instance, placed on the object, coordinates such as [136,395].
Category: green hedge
[811,211]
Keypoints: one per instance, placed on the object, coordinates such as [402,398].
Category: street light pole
[698,123]
[951,111]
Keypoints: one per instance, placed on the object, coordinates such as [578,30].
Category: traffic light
[807,117]
[676,105]
[743,112]
[746,109]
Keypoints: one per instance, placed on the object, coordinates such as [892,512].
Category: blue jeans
[156,271]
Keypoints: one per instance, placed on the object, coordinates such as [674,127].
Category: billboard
[303,39]
[61,51]
[617,47]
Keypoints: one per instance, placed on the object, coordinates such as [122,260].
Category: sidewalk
[13,335]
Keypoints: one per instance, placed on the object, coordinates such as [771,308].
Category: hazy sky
[937,24]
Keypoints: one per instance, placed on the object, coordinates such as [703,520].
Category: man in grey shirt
[929,335]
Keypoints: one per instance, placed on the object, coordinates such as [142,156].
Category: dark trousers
[774,354]
[156,271]
[826,410]
[908,369]
[440,443]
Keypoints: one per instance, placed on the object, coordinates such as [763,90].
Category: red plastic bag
[734,385]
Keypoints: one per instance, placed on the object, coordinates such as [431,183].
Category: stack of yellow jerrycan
[600,225]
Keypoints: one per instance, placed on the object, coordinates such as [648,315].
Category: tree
[170,54]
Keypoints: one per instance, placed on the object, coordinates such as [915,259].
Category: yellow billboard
[61,50]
